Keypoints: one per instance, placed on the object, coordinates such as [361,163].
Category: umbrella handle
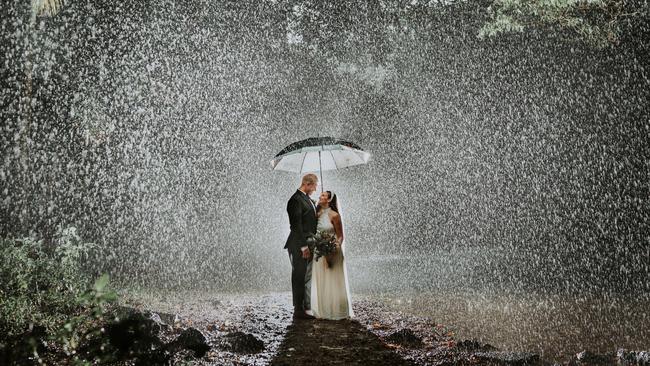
[320,165]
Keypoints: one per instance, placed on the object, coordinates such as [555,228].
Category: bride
[330,293]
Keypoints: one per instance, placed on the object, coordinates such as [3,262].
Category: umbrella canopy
[319,154]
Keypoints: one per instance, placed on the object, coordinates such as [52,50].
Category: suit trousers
[300,279]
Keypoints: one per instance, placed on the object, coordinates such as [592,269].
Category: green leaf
[101,283]
[110,296]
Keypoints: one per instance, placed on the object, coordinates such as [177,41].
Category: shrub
[45,287]
[40,285]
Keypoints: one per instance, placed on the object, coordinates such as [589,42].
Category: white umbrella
[318,154]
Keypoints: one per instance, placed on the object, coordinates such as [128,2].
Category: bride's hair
[334,202]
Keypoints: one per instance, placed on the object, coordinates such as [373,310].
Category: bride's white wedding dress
[330,293]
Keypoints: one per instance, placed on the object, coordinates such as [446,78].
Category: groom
[302,219]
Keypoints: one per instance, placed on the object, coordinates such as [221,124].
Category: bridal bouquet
[321,244]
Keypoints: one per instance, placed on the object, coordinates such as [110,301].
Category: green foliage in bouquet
[321,244]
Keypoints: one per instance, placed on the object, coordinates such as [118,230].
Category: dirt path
[320,342]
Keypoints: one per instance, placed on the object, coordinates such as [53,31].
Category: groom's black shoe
[300,314]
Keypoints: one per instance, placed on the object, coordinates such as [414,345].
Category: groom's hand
[305,253]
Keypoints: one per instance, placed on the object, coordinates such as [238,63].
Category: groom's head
[309,183]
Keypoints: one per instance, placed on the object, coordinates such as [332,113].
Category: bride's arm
[338,228]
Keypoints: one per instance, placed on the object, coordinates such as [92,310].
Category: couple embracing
[319,287]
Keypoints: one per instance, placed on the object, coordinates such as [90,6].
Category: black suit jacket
[302,219]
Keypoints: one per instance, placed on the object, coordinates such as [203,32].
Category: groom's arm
[295,221]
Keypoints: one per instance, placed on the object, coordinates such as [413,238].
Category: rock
[165,321]
[507,358]
[405,337]
[625,357]
[135,333]
[474,346]
[124,311]
[190,339]
[133,337]
[169,319]
[239,342]
[156,318]
[590,358]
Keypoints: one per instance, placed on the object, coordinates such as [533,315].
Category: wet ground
[377,335]
[216,315]
[550,320]
[556,327]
